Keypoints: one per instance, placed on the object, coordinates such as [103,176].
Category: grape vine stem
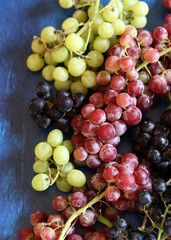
[144,64]
[77,213]
[162,223]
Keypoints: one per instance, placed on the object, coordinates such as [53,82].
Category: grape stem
[144,64]
[77,213]
[105,221]
[159,237]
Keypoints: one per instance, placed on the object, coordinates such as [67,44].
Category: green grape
[74,42]
[63,85]
[140,9]
[40,182]
[139,22]
[35,62]
[66,3]
[95,59]
[37,46]
[80,15]
[101,44]
[119,26]
[105,30]
[114,40]
[128,4]
[53,172]
[89,79]
[48,58]
[78,87]
[40,166]
[63,185]
[76,178]
[55,138]
[68,145]
[110,14]
[61,155]
[91,10]
[43,151]
[76,66]
[84,35]
[60,74]
[48,34]
[70,25]
[60,55]
[98,20]
[47,72]
[66,169]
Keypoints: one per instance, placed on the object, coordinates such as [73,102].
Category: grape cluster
[60,111]
[152,142]
[52,164]
[64,51]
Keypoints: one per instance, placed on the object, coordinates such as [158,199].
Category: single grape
[43,151]
[61,155]
[40,182]
[73,177]
[35,62]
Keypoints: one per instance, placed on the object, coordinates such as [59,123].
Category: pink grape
[132,116]
[76,122]
[125,181]
[59,203]
[123,100]
[107,153]
[98,116]
[118,83]
[157,83]
[120,127]
[144,37]
[78,199]
[134,52]
[110,96]
[116,50]
[144,103]
[152,55]
[87,110]
[89,129]
[112,193]
[130,30]
[132,75]
[112,64]
[93,161]
[88,218]
[92,145]
[160,34]
[103,78]
[80,154]
[126,41]
[98,182]
[135,88]
[26,234]
[97,99]
[113,112]
[38,217]
[106,132]
[127,64]
[78,139]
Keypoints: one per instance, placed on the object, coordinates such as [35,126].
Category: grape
[101,44]
[73,177]
[140,9]
[78,87]
[106,132]
[35,62]
[80,15]
[43,151]
[110,173]
[55,138]
[157,84]
[98,235]
[128,4]
[127,41]
[66,168]
[127,64]
[118,83]
[80,154]
[26,233]
[88,218]
[98,20]
[139,22]
[38,217]
[95,59]
[152,55]
[76,66]
[110,14]
[84,35]
[108,153]
[132,116]
[48,58]
[59,203]
[70,25]
[103,78]
[59,55]
[112,64]
[61,155]
[89,79]
[40,166]
[68,145]
[47,72]
[74,42]
[98,116]
[93,161]
[60,74]
[40,182]
[160,34]
[78,200]
[37,105]
[105,30]
[63,184]
[119,27]
[75,237]
[112,193]
[66,3]
[48,34]
[37,46]
[63,85]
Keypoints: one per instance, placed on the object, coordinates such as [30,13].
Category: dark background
[20,20]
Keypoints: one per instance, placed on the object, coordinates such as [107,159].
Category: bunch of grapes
[60,111]
[64,51]
[152,142]
[52,164]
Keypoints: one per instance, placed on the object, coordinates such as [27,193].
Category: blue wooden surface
[20,20]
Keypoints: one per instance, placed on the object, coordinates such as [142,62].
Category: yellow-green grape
[43,151]
[68,145]
[66,3]
[95,59]
[91,10]
[140,9]
[89,79]
[52,172]
[78,87]
[60,74]
[40,166]
[80,15]
[74,42]
[105,30]
[63,185]
[84,35]
[62,85]
[55,138]
[37,46]
[139,22]
[119,26]
[48,58]
[40,182]
[98,20]
[61,155]
[48,34]
[76,66]
[114,40]
[70,25]
[128,4]
[60,55]
[76,178]
[66,169]
[110,14]
[101,44]
[47,72]
[35,62]
[67,61]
